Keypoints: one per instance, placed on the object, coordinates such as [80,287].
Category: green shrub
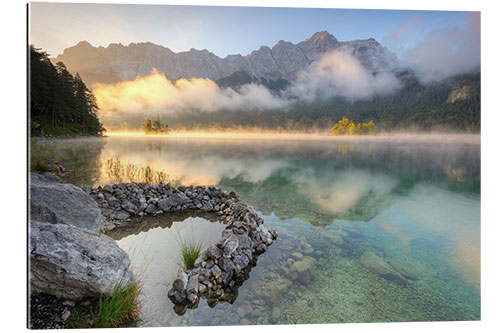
[38,166]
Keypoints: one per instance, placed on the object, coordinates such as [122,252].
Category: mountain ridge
[283,61]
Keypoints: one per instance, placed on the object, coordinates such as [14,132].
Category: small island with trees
[154,126]
[347,127]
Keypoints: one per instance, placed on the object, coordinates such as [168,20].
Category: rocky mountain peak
[83,43]
[320,36]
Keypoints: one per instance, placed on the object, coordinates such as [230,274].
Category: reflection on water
[411,206]
[156,256]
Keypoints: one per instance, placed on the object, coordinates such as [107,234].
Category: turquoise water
[370,230]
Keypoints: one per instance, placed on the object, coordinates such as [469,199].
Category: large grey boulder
[53,202]
[73,264]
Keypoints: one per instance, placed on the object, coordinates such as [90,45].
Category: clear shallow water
[411,207]
[156,254]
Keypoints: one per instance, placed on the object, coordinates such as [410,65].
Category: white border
[13,113]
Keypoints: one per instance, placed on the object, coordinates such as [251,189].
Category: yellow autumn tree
[346,126]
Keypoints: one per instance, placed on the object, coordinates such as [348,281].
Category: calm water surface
[390,228]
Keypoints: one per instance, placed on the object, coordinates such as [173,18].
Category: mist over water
[411,200]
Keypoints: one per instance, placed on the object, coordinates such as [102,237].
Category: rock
[150,209]
[226,277]
[172,201]
[180,284]
[406,271]
[244,309]
[216,271]
[46,177]
[73,264]
[245,242]
[202,288]
[128,206]
[192,285]
[227,265]
[266,235]
[69,303]
[333,238]
[297,255]
[303,270]
[275,289]
[308,249]
[121,215]
[339,232]
[176,297]
[109,198]
[275,315]
[108,188]
[214,252]
[379,266]
[209,263]
[192,299]
[65,315]
[261,248]
[230,245]
[241,261]
[53,202]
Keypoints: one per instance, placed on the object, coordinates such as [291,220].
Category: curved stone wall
[223,266]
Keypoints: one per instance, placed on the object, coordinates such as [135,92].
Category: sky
[227,30]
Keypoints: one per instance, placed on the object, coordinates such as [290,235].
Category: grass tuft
[189,255]
[118,309]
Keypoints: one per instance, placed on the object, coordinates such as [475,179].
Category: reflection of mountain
[315,181]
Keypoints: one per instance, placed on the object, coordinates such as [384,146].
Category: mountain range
[452,103]
[280,63]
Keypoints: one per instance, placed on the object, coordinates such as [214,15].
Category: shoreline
[472,138]
[231,258]
[69,137]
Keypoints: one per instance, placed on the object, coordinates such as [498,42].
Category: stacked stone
[120,202]
[223,264]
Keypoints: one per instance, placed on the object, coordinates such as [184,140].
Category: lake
[389,227]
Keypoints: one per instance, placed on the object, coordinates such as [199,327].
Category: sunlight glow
[272,135]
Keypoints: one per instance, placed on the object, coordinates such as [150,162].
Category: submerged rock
[406,271]
[274,289]
[379,266]
[53,202]
[303,270]
[333,238]
[71,263]
[308,249]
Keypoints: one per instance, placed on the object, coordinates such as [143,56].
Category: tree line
[415,106]
[60,103]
